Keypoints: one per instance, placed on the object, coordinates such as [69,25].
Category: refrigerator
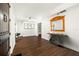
[4,30]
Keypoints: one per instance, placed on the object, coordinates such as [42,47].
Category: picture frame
[57,24]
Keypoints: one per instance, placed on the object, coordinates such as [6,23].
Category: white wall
[25,32]
[12,29]
[45,28]
[71,27]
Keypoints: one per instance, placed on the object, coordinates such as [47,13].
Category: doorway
[39,29]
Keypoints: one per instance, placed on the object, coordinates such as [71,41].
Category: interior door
[39,29]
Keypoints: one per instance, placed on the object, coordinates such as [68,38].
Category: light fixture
[59,13]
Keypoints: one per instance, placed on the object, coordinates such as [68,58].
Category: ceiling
[34,10]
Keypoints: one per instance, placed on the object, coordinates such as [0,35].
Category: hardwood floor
[35,46]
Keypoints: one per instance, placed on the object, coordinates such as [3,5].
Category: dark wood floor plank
[35,46]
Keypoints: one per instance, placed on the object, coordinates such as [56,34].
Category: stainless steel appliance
[4,29]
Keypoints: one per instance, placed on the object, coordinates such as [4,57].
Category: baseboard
[70,48]
[63,46]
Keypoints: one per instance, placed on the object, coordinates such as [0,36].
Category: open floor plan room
[39,29]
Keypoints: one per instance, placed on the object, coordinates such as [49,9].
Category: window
[29,25]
